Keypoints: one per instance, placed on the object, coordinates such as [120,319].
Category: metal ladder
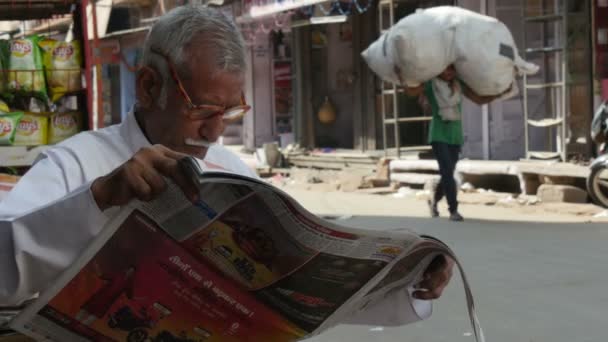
[390,116]
[555,94]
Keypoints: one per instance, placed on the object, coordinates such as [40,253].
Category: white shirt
[50,216]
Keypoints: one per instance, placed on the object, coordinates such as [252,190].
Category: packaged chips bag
[8,127]
[64,125]
[62,64]
[32,130]
[3,107]
[3,65]
[26,74]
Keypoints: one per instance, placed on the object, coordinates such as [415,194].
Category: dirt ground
[351,192]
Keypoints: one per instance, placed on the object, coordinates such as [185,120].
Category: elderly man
[190,83]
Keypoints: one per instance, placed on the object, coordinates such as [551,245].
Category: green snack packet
[4,51]
[8,127]
[26,72]
[62,61]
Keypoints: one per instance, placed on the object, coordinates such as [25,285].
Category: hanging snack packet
[8,127]
[64,125]
[3,107]
[62,62]
[26,75]
[4,51]
[32,130]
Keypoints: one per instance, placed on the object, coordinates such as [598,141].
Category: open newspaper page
[246,263]
[343,262]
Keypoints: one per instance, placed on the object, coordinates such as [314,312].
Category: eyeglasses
[203,111]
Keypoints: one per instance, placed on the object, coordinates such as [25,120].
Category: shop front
[307,83]
[310,85]
[334,102]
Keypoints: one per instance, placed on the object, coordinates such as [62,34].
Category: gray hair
[174,32]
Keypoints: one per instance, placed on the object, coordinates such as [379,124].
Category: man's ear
[148,84]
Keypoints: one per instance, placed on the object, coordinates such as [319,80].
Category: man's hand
[436,278]
[142,177]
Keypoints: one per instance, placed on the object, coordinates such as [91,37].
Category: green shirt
[449,132]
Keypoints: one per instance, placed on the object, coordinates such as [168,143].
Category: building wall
[258,127]
[331,69]
[506,119]
[504,123]
[339,59]
[472,124]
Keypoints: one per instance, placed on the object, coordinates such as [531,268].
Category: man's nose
[212,128]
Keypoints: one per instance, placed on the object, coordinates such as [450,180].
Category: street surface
[536,277]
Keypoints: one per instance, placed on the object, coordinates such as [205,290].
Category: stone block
[561,193]
[561,180]
[383,170]
[352,182]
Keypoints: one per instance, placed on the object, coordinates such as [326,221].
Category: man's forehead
[203,57]
[215,87]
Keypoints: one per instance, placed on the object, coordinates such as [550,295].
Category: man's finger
[436,265]
[173,171]
[428,295]
[156,182]
[435,281]
[169,167]
[140,188]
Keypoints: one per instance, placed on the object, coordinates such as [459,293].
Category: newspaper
[245,263]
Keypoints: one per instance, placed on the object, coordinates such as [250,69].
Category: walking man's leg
[451,189]
[441,152]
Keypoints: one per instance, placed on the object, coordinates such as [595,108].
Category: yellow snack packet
[64,125]
[3,107]
[62,64]
[32,130]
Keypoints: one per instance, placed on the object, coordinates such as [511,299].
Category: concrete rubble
[511,184]
[362,181]
[514,176]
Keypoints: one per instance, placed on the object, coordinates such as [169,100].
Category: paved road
[533,282]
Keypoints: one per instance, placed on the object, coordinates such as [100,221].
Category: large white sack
[487,56]
[420,46]
[423,44]
[379,58]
